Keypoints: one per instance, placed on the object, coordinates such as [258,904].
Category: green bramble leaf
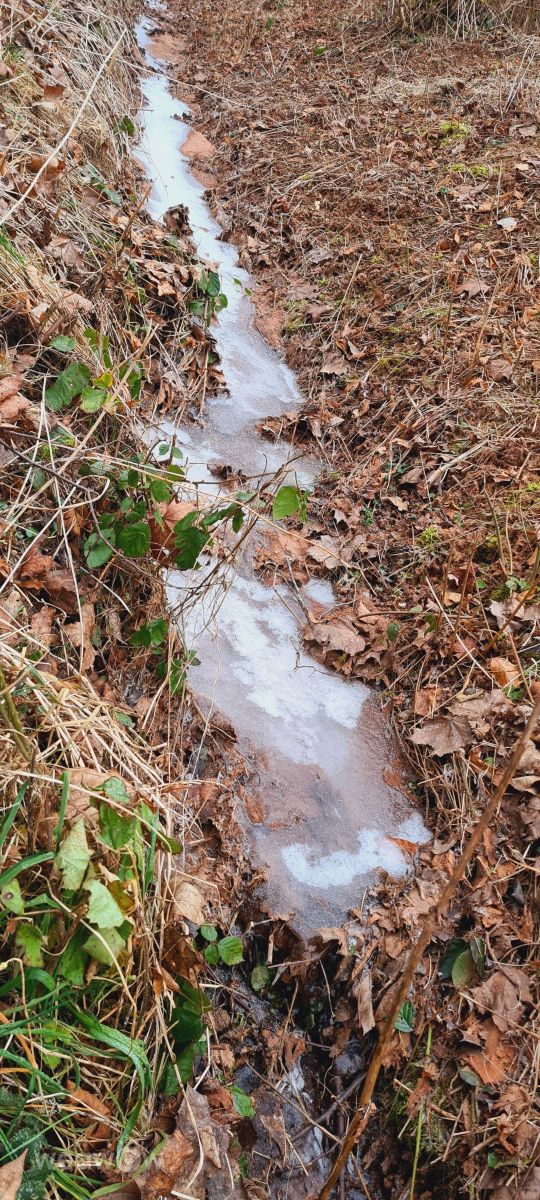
[231,950]
[69,384]
[134,539]
[29,942]
[63,343]
[243,1103]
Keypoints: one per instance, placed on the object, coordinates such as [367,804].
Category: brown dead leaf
[425,700]
[34,568]
[166,1171]
[87,1110]
[11,1177]
[196,145]
[41,625]
[399,503]
[53,93]
[502,995]
[80,634]
[499,369]
[493,1061]
[196,1136]
[361,989]
[444,735]
[9,386]
[505,672]
[10,610]
[189,900]
[482,710]
[333,639]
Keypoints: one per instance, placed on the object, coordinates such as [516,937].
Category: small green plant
[289,502]
[151,636]
[429,538]
[210,299]
[228,950]
[463,960]
[405,1021]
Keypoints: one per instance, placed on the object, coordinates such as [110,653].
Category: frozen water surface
[316,742]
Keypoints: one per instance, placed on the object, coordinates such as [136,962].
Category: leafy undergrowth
[105,936]
[382,188]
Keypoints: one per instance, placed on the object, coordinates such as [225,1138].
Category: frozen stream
[316,742]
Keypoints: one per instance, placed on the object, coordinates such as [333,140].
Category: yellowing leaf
[103,910]
[73,857]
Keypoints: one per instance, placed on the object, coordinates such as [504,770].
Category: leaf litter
[387,214]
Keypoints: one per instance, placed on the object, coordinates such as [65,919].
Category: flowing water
[316,743]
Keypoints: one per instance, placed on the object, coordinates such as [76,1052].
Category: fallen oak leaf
[444,735]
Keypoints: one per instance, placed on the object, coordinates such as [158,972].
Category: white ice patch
[376,851]
[321,591]
[259,639]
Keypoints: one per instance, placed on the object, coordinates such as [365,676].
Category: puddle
[317,743]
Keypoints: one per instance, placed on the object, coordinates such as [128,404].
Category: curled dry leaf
[80,634]
[189,900]
[505,672]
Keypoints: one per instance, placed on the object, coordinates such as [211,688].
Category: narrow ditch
[317,745]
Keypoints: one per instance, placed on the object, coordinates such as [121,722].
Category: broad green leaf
[231,950]
[116,830]
[97,551]
[243,1103]
[73,857]
[211,955]
[209,933]
[187,1025]
[469,1076]
[463,969]
[260,977]
[103,910]
[189,541]
[115,789]
[160,490]
[74,959]
[151,634]
[108,952]
[92,399]
[126,126]
[11,898]
[192,998]
[29,941]
[63,343]
[69,384]
[405,1020]
[287,501]
[454,948]
[134,539]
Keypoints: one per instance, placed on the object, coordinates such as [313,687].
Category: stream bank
[318,751]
